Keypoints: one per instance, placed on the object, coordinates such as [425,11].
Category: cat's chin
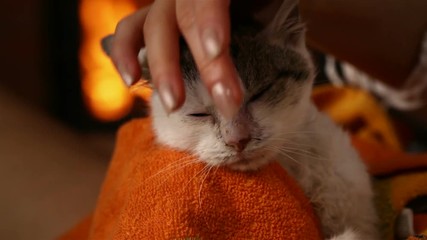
[245,164]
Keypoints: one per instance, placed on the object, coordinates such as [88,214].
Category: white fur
[202,139]
[334,178]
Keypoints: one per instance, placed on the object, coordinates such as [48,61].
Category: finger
[128,40]
[205,25]
[161,39]
[218,72]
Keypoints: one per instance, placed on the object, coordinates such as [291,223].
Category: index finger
[208,37]
[127,42]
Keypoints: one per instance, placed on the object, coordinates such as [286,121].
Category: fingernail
[127,78]
[211,43]
[224,100]
[167,97]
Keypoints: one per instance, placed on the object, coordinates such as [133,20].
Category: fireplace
[84,88]
[106,98]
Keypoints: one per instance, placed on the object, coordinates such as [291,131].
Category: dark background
[40,41]
[53,154]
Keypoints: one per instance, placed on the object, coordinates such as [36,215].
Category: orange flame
[106,96]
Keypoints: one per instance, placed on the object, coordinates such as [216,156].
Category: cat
[276,121]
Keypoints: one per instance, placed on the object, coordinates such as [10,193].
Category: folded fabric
[396,184]
[399,177]
[358,112]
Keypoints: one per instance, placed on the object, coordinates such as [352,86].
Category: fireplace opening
[85,90]
[105,96]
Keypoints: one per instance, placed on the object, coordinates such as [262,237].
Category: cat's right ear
[282,23]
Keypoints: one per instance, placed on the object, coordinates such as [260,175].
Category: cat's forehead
[258,63]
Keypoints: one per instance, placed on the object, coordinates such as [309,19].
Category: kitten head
[277,73]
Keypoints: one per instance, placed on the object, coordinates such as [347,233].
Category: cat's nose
[239,144]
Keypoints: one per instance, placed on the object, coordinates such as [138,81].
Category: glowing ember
[105,94]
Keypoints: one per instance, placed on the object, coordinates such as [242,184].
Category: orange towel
[148,196]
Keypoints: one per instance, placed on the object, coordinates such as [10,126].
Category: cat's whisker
[179,161]
[300,146]
[298,149]
[201,184]
[316,157]
[216,170]
[291,142]
[171,174]
[303,132]
[173,170]
[293,159]
[279,151]
[299,134]
[197,174]
[300,152]
[182,162]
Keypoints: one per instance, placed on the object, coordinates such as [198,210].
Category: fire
[106,96]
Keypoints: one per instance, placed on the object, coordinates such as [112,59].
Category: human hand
[205,25]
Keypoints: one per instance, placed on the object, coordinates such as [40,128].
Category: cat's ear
[143,63]
[106,44]
[285,26]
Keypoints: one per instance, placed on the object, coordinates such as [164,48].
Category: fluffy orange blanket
[157,193]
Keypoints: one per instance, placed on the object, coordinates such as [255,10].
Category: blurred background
[61,102]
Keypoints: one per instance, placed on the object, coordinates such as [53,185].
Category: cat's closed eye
[296,75]
[199,115]
[258,95]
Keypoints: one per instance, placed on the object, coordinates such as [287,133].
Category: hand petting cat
[205,26]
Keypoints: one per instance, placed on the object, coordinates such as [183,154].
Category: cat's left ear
[106,44]
[285,27]
[143,63]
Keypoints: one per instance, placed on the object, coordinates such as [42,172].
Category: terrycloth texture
[147,195]
[262,205]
